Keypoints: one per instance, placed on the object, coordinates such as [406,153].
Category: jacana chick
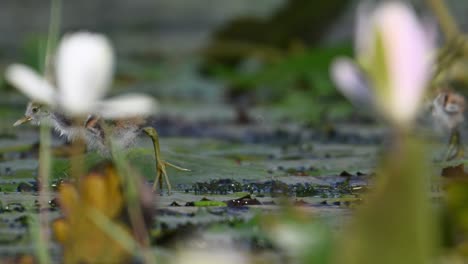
[448,112]
[96,132]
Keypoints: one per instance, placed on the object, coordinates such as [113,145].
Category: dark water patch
[257,133]
[276,188]
[27,187]
[13,207]
[168,212]
[243,201]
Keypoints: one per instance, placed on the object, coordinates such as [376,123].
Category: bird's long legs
[455,147]
[160,164]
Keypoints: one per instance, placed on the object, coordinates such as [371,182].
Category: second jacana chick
[97,133]
[448,113]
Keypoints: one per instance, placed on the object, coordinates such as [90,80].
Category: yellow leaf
[61,230]
[68,198]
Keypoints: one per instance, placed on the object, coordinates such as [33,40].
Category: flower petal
[351,82]
[408,51]
[84,70]
[30,83]
[124,106]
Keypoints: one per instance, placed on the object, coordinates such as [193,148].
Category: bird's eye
[35,109]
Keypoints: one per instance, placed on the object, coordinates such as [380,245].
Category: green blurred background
[244,55]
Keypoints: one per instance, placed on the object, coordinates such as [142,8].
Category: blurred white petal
[408,58]
[30,83]
[124,106]
[351,82]
[430,30]
[84,70]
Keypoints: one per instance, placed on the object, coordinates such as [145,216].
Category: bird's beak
[22,120]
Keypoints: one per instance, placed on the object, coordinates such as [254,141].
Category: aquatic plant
[393,63]
[84,66]
[390,74]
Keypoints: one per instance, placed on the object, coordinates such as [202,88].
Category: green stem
[132,197]
[45,142]
[396,224]
[44,197]
[446,21]
[78,150]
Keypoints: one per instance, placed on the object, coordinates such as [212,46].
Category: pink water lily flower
[393,51]
[84,70]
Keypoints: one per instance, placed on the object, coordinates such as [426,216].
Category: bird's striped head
[35,113]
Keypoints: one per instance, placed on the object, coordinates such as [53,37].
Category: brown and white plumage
[97,133]
[448,109]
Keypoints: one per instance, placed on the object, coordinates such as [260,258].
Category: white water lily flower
[84,70]
[394,51]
